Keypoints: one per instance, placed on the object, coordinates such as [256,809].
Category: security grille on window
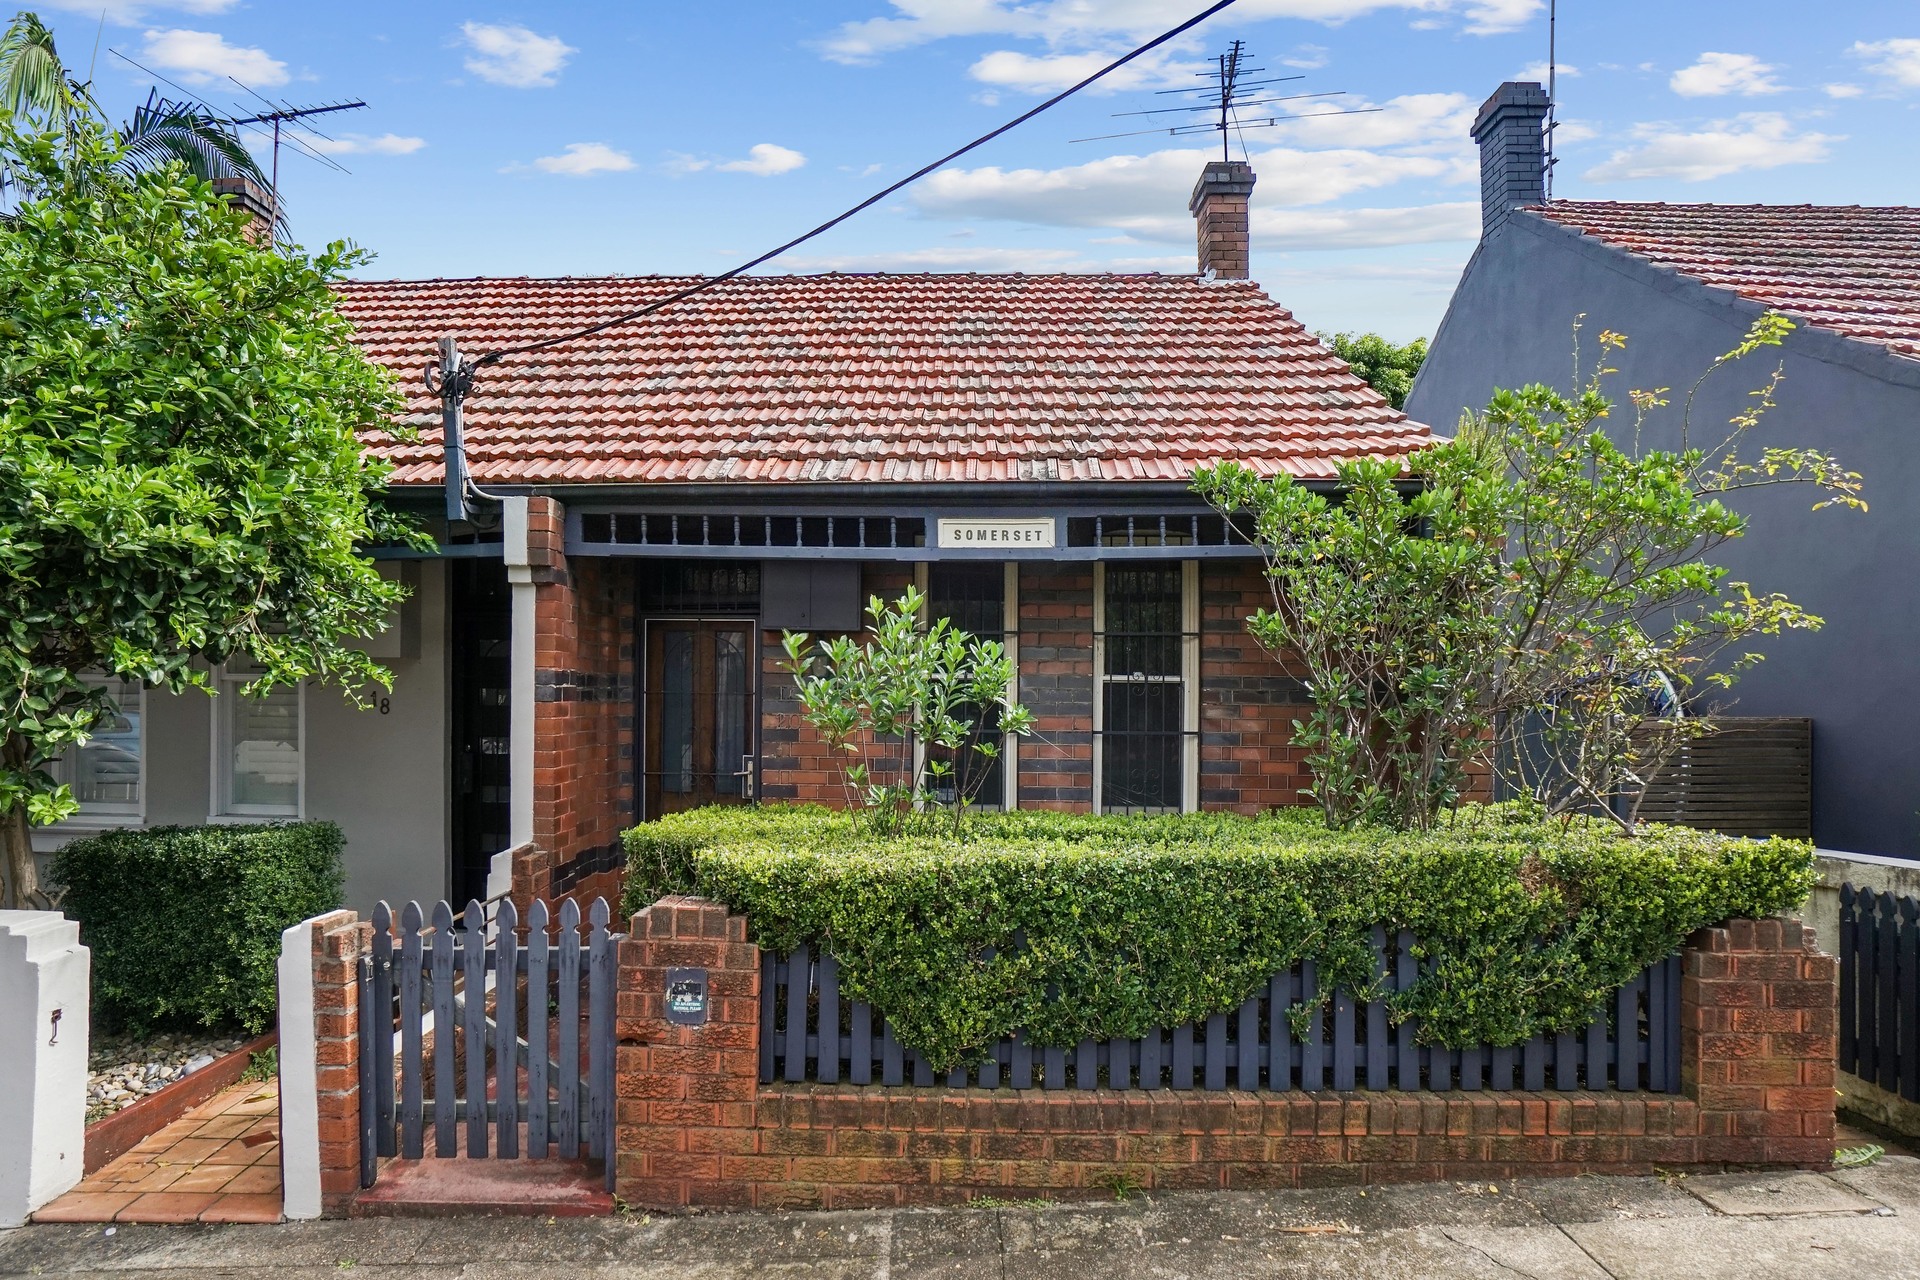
[256,750]
[107,772]
[980,599]
[1146,712]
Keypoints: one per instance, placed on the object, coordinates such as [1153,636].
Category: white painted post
[299,1085]
[43,1060]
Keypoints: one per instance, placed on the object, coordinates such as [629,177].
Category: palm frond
[164,131]
[33,81]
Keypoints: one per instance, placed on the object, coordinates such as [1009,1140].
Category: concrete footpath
[1804,1226]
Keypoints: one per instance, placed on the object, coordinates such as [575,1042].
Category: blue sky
[683,135]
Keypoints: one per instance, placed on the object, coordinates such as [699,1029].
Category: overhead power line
[709,282]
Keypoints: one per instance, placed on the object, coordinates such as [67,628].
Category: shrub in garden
[1533,606]
[184,922]
[1069,927]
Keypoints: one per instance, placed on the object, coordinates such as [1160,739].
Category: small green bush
[1069,927]
[184,922]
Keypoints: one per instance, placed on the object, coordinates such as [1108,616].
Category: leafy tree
[37,90]
[1536,604]
[1387,368]
[180,480]
[910,685]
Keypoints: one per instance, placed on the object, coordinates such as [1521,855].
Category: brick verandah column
[684,1109]
[1759,1038]
[340,938]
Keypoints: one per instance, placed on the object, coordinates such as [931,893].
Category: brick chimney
[251,199]
[1513,151]
[1219,208]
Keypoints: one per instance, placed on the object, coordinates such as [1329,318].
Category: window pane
[265,742]
[104,771]
[1143,620]
[1141,745]
[729,710]
[676,712]
[973,597]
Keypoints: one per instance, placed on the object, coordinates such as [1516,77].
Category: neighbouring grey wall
[383,778]
[1511,322]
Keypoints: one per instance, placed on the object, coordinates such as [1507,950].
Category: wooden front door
[699,705]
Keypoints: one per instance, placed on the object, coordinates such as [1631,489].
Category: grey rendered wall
[383,778]
[1511,322]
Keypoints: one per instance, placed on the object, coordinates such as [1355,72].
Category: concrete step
[460,1186]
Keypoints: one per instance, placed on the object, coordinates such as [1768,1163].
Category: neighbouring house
[1684,282]
[600,644]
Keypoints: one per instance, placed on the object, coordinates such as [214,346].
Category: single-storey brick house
[1684,282]
[662,499]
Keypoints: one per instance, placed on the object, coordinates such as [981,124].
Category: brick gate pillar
[684,1095]
[1759,1039]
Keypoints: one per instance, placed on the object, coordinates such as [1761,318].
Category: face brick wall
[695,1128]
[795,765]
[1056,684]
[584,669]
[1248,700]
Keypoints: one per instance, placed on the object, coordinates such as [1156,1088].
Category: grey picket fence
[1633,1045]
[1880,989]
[492,1031]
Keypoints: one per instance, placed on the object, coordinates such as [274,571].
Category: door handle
[745,774]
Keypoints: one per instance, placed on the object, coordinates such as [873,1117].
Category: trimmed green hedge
[1070,927]
[184,922]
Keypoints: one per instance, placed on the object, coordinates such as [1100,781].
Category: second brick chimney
[1219,208]
[1513,151]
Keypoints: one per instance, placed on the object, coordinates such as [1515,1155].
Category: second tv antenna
[1229,92]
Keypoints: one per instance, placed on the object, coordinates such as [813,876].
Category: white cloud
[1753,140]
[1568,132]
[765,159]
[1054,72]
[1897,60]
[1295,230]
[1844,90]
[348,144]
[946,258]
[204,57]
[1146,195]
[1537,72]
[582,159]
[1307,57]
[1099,23]
[514,56]
[1716,74]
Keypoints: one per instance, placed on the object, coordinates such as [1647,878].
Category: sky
[601,137]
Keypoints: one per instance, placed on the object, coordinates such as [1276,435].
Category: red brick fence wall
[696,1128]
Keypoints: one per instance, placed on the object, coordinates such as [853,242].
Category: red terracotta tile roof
[1842,267]
[900,378]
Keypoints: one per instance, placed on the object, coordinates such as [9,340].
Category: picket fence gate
[1880,989]
[1634,1044]
[520,1035]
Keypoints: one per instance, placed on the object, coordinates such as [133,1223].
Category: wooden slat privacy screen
[1634,1044]
[1752,776]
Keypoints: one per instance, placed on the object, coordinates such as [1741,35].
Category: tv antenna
[1229,92]
[276,114]
[285,113]
[1553,98]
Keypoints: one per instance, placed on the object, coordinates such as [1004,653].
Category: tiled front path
[218,1163]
